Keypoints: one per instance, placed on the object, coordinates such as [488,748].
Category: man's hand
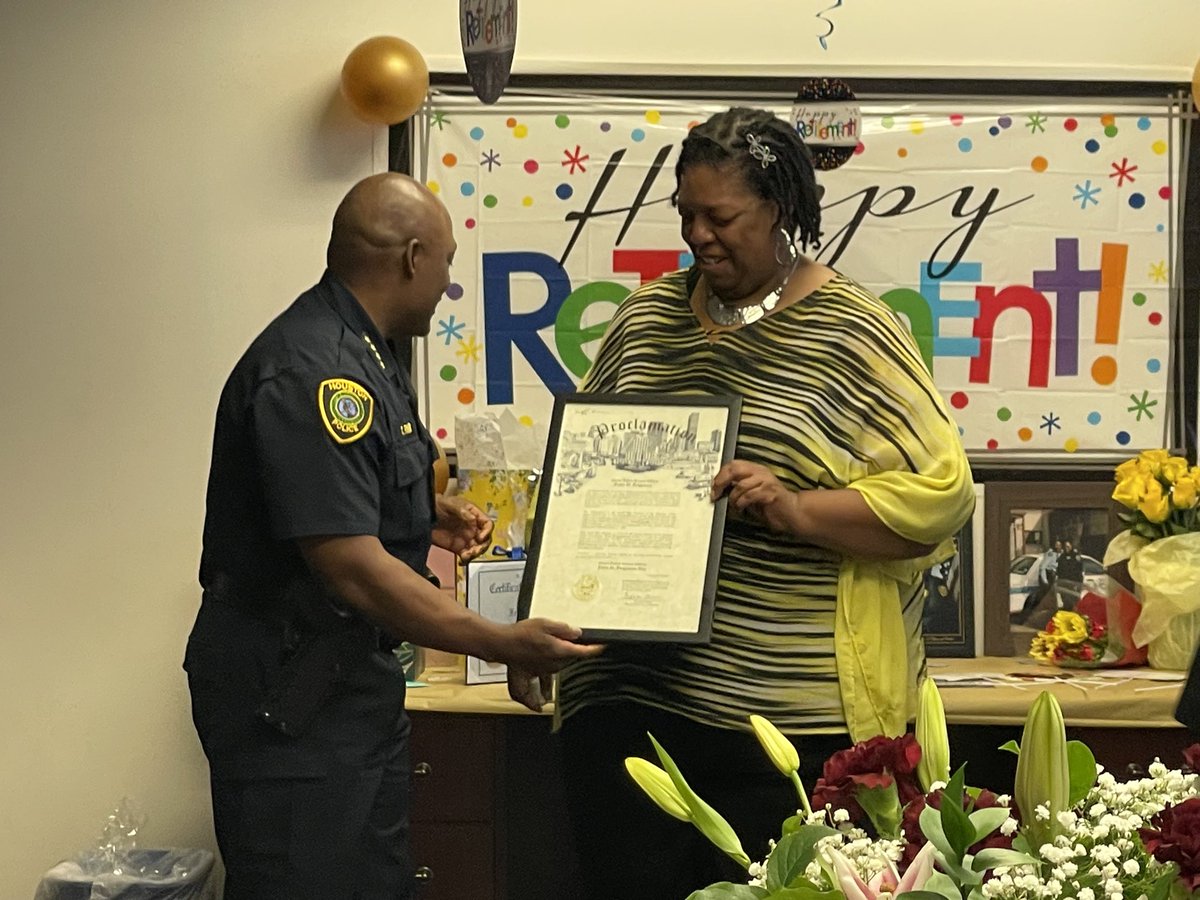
[755,493]
[531,691]
[462,527]
[542,646]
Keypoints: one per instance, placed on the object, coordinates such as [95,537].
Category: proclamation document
[626,539]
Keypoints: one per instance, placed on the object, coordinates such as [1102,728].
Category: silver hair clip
[760,151]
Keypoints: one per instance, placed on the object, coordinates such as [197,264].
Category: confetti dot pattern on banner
[956,120]
[965,145]
[902,152]
[916,126]
[477,133]
[1025,433]
[1153,365]
[1111,131]
[1137,201]
[1155,318]
[1004,122]
[1104,370]
[469,223]
[1092,145]
[1165,192]
[521,131]
[1123,438]
[959,400]
[993,444]
[454,291]
[1094,418]
[448,373]
[1139,299]
[1070,445]
[1143,123]
[441,434]
[466,189]
[434,187]
[653,116]
[531,166]
[466,395]
[637,134]
[1070,124]
[606,126]
[490,201]
[527,201]
[1004,414]
[511,122]
[449,160]
[564,191]
[1159,147]
[887,121]
[526,421]
[562,120]
[1039,164]
[1108,119]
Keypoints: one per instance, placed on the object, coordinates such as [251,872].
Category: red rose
[1174,836]
[877,763]
[1191,757]
[1087,652]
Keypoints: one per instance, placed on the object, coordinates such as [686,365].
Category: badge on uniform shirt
[346,409]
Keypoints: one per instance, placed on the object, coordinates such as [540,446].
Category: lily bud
[931,735]
[781,751]
[1043,771]
[658,787]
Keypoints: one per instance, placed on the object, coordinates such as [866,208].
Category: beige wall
[167,172]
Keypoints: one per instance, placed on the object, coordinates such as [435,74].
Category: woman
[849,477]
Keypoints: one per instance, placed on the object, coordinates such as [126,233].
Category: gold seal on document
[586,588]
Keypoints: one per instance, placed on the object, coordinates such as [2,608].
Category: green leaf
[792,824]
[727,891]
[806,891]
[939,885]
[882,806]
[1161,888]
[1011,747]
[985,821]
[931,827]
[1081,764]
[999,856]
[792,855]
[960,833]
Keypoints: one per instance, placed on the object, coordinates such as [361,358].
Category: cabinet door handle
[423,874]
[423,768]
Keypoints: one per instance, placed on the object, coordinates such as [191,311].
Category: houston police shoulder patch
[346,409]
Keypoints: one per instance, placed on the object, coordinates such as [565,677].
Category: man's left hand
[462,527]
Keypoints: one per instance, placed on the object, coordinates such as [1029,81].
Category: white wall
[167,173]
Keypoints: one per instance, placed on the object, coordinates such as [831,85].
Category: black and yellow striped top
[833,390]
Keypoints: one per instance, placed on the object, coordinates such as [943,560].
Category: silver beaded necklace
[726,314]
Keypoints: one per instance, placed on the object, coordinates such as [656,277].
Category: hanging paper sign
[488,30]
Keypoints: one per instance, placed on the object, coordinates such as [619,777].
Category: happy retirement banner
[1028,248]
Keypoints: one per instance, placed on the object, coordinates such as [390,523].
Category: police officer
[320,515]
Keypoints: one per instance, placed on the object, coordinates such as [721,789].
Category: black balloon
[488,31]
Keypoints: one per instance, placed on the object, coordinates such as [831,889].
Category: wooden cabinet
[488,817]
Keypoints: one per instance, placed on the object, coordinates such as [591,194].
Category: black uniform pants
[321,816]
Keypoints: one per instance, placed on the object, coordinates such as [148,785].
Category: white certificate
[626,538]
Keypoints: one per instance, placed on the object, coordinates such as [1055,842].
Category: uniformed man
[320,515]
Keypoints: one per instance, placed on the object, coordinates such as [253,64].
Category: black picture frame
[1007,630]
[952,616]
[645,458]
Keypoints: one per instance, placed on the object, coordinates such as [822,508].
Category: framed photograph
[625,539]
[953,618]
[1044,542]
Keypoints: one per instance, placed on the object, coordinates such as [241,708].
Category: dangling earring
[786,253]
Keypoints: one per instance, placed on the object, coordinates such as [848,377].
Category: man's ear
[408,261]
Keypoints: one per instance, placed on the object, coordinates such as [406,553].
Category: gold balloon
[385,79]
[441,470]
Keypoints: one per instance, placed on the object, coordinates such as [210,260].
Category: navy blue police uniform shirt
[317,434]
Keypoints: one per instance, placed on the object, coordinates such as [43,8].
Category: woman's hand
[755,493]
[462,527]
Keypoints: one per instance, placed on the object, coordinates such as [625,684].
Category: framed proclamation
[626,538]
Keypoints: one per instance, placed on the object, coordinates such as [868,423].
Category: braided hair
[789,180]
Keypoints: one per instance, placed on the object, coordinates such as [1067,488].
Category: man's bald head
[380,216]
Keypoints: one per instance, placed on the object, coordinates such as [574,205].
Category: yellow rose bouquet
[1161,494]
